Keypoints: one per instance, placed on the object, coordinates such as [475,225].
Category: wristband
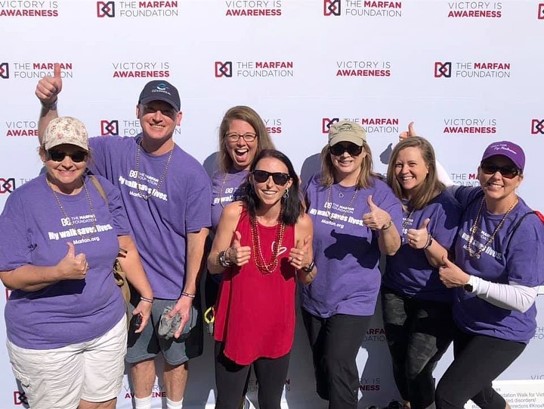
[308,269]
[149,300]
[223,261]
[429,242]
[184,294]
[51,107]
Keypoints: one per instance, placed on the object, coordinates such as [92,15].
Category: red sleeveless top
[255,311]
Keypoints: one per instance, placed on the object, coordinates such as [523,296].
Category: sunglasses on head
[508,172]
[339,149]
[58,156]
[279,178]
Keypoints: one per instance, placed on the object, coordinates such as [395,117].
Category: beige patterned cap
[66,130]
[346,131]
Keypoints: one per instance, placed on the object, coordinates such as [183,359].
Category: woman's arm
[302,255]
[32,278]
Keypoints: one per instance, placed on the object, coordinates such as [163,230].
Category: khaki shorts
[59,378]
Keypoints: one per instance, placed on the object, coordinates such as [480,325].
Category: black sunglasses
[279,178]
[58,156]
[508,172]
[339,149]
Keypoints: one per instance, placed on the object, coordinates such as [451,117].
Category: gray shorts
[147,344]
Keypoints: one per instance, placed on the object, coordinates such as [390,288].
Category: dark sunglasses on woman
[261,176]
[509,172]
[58,156]
[339,149]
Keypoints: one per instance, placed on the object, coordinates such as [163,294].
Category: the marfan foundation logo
[470,126]
[537,127]
[370,384]
[131,9]
[375,334]
[254,69]
[273,125]
[29,8]
[464,179]
[253,8]
[109,128]
[474,9]
[362,8]
[471,69]
[33,70]
[7,185]
[19,398]
[541,11]
[141,69]
[357,68]
[21,128]
[371,125]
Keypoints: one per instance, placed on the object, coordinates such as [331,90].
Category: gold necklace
[263,266]
[146,195]
[67,221]
[331,203]
[474,228]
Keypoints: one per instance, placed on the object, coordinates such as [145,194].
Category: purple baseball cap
[507,149]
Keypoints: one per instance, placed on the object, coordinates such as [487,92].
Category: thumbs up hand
[376,218]
[48,88]
[236,253]
[299,256]
[410,132]
[72,266]
[451,275]
[419,238]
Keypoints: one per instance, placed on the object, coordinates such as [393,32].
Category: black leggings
[335,342]
[478,361]
[232,379]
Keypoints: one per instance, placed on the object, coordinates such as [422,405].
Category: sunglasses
[58,156]
[339,149]
[508,172]
[261,176]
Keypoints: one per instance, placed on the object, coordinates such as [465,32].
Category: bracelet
[429,241]
[149,300]
[223,261]
[184,294]
[308,269]
[387,225]
[51,107]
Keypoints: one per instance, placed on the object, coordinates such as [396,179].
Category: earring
[286,194]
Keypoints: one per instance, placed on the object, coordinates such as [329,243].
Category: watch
[309,267]
[468,287]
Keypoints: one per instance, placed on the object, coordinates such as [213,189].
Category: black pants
[231,380]
[418,333]
[335,342]
[478,360]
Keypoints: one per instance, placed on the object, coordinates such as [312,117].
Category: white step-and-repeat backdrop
[468,73]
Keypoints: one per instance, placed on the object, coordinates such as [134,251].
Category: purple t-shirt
[225,189]
[178,203]
[346,252]
[519,260]
[408,272]
[35,231]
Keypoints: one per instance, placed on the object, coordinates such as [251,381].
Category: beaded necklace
[329,200]
[143,194]
[68,220]
[474,228]
[267,267]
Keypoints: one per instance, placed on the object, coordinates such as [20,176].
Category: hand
[377,218]
[410,132]
[236,253]
[73,267]
[183,308]
[451,275]
[144,309]
[299,255]
[48,88]
[418,238]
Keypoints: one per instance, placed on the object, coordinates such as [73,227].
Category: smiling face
[241,151]
[496,186]
[158,120]
[268,192]
[347,166]
[410,169]
[65,174]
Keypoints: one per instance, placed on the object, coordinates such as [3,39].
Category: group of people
[456,265]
